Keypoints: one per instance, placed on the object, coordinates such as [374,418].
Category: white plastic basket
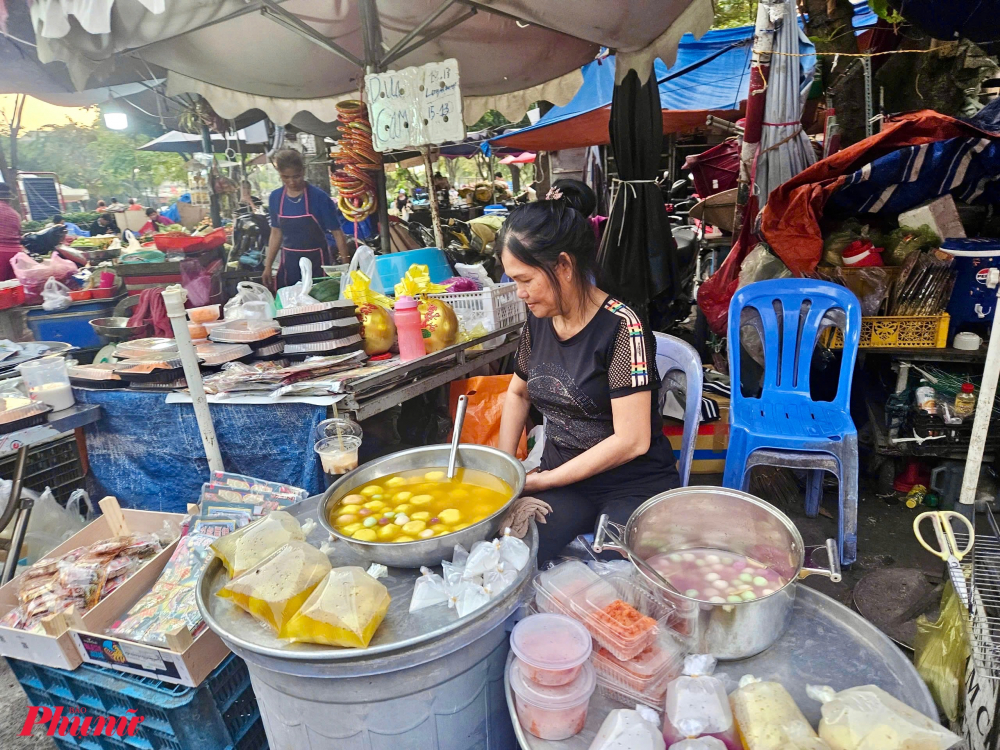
[495,307]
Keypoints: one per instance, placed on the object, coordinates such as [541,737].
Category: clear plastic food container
[621,614]
[552,712]
[270,350]
[138,347]
[197,331]
[206,314]
[244,331]
[318,307]
[325,325]
[552,648]
[99,371]
[211,353]
[322,346]
[645,676]
[555,587]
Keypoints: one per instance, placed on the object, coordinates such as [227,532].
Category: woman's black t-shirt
[572,383]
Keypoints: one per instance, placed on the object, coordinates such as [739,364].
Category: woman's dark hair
[538,233]
[289,158]
[577,194]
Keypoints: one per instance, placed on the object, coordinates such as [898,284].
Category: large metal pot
[724,519]
[425,551]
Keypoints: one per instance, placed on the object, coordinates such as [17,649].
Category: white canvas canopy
[305,55]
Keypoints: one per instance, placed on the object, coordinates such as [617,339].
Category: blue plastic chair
[784,426]
[676,354]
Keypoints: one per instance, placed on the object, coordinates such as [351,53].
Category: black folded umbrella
[638,254]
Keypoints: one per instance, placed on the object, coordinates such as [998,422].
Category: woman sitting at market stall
[154,221]
[104,224]
[585,361]
[10,231]
[300,215]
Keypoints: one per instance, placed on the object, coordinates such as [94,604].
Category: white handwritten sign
[415,106]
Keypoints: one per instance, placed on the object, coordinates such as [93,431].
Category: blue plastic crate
[220,714]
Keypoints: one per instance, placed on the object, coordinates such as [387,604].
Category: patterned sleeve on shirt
[522,361]
[628,368]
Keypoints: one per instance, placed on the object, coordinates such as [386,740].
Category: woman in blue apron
[302,216]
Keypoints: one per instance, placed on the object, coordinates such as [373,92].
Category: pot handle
[610,531]
[833,561]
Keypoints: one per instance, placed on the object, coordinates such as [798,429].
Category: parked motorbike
[44,241]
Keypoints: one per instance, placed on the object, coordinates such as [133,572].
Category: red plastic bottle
[411,339]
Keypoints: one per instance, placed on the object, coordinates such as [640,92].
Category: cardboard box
[712,443]
[188,662]
[59,649]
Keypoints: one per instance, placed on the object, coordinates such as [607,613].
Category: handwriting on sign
[415,106]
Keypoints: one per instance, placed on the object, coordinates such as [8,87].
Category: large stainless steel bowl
[425,551]
[734,521]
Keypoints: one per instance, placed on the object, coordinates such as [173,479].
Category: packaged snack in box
[274,590]
[171,602]
[620,613]
[245,548]
[345,609]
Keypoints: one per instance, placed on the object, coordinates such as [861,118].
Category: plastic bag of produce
[769,719]
[345,609]
[513,551]
[697,705]
[940,651]
[274,590]
[55,295]
[483,557]
[428,590]
[699,743]
[246,547]
[760,265]
[905,240]
[868,718]
[625,729]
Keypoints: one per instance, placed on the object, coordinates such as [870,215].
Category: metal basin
[733,521]
[118,329]
[425,551]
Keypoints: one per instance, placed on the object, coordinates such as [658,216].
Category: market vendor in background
[154,221]
[72,230]
[586,362]
[10,232]
[103,224]
[301,214]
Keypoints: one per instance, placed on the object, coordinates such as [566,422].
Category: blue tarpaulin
[149,454]
[719,85]
[968,168]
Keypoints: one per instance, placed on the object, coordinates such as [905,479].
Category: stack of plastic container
[261,337]
[637,650]
[550,676]
[320,329]
[101,376]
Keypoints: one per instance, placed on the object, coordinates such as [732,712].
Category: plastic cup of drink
[339,455]
[337,427]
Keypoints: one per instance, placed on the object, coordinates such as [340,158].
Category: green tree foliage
[732,13]
[92,157]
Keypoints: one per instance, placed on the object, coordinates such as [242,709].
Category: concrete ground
[885,539]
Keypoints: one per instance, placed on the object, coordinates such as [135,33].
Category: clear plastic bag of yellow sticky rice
[274,590]
[245,548]
[345,610]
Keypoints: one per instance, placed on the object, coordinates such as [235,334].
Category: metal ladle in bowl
[456,437]
[608,530]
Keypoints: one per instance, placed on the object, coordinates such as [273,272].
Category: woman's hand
[536,481]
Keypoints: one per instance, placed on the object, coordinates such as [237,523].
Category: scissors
[947,548]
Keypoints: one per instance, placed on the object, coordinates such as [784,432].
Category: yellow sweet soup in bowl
[418,504]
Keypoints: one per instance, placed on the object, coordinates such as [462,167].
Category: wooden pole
[213,199]
[432,194]
[763,44]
